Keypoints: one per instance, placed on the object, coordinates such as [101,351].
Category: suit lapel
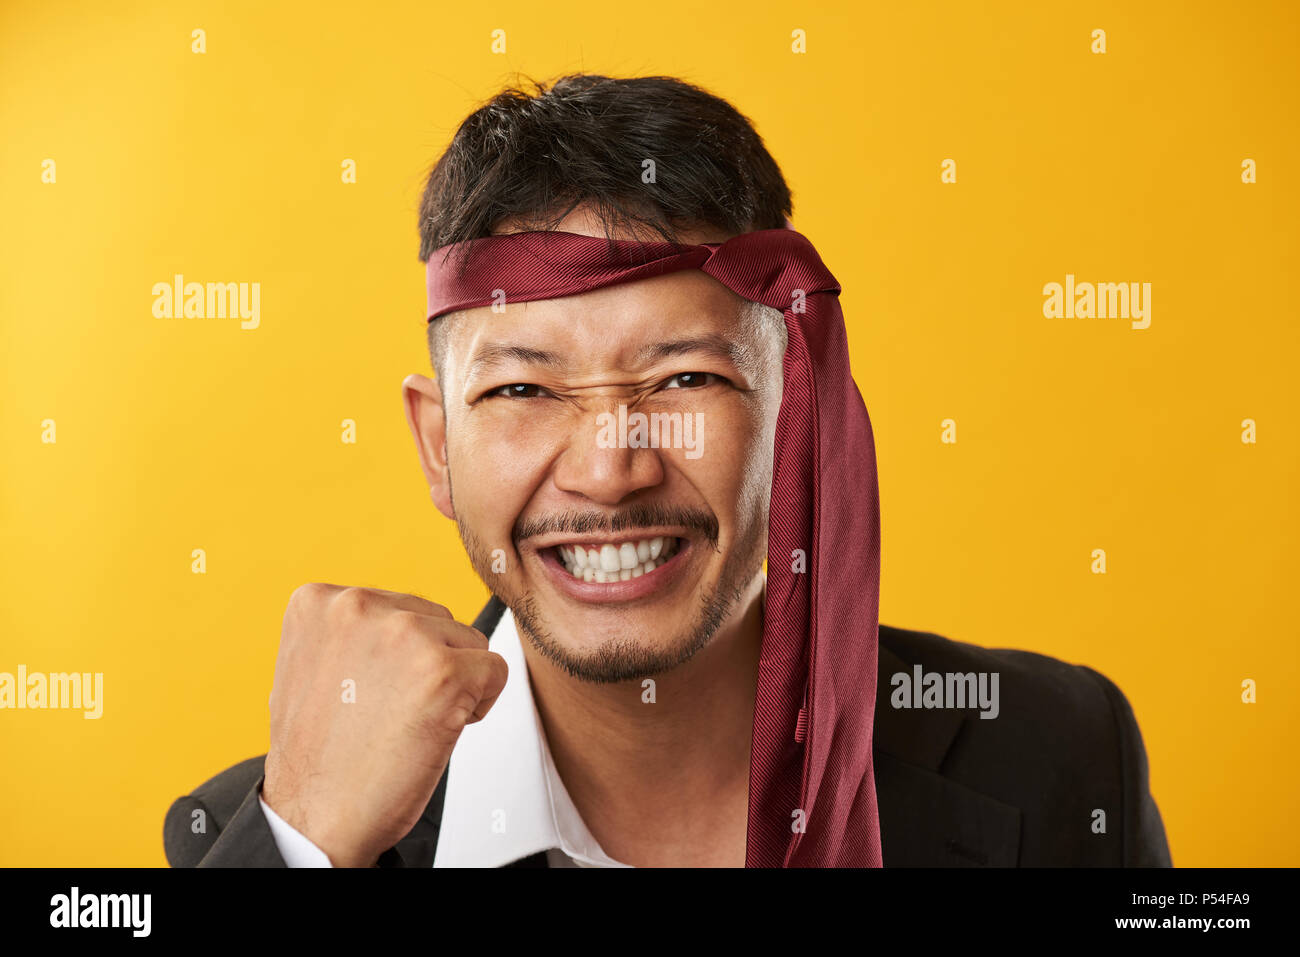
[927,819]
[918,736]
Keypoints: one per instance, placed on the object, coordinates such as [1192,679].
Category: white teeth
[613,563]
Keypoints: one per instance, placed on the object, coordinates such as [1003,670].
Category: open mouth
[606,562]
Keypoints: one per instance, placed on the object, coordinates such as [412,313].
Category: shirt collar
[505,799]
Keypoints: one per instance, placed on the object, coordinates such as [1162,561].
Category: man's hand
[353,770]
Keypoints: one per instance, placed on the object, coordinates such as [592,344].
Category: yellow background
[1072,434]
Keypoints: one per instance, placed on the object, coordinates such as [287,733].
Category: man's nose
[594,466]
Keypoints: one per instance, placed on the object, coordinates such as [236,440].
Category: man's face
[619,560]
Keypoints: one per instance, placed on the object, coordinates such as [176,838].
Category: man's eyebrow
[491,356]
[715,345]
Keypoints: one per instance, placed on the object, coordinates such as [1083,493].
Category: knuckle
[406,624]
[355,602]
[439,668]
[308,595]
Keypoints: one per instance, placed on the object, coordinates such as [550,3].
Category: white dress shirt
[505,799]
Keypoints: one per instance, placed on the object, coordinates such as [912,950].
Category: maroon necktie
[812,794]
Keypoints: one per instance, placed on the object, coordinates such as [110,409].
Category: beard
[628,657]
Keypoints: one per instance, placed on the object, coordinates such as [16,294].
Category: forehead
[611,327]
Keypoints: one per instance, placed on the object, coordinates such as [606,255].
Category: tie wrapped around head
[812,795]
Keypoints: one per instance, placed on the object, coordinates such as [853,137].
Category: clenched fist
[354,776]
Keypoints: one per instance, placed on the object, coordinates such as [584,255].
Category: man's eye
[518,390]
[691,380]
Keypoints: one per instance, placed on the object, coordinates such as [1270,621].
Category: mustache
[625,519]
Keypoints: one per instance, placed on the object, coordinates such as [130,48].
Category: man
[642,393]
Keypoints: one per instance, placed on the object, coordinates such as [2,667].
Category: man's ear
[422,397]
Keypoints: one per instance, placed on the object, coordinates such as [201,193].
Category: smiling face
[618,559]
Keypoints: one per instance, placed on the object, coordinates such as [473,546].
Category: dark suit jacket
[954,790]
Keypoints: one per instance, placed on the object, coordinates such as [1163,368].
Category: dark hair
[536,155]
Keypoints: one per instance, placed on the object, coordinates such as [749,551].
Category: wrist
[337,842]
[346,851]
